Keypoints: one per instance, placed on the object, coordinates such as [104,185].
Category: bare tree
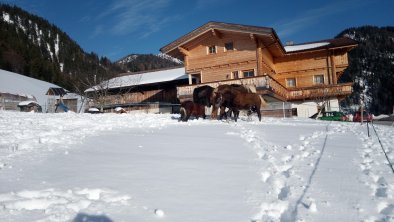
[98,90]
[322,98]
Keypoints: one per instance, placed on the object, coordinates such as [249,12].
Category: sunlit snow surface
[150,167]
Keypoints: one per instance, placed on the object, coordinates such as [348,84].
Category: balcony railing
[260,82]
[322,91]
[268,83]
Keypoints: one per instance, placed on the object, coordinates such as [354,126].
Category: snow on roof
[14,83]
[71,96]
[293,48]
[142,78]
[25,103]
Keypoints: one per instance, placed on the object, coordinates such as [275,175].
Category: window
[291,82]
[235,75]
[248,73]
[212,49]
[318,79]
[229,46]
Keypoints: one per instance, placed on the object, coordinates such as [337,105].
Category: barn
[149,91]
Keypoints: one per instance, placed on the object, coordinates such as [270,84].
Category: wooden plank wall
[168,95]
[304,66]
[219,66]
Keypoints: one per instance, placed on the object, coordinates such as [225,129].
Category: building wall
[306,109]
[218,66]
[304,66]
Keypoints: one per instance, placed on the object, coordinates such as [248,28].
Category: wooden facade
[222,53]
[217,53]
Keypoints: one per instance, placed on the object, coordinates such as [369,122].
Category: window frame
[295,82]
[235,74]
[248,71]
[225,46]
[315,78]
[212,47]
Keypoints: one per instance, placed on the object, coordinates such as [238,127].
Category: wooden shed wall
[167,95]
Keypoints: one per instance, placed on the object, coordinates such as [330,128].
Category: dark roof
[53,91]
[257,30]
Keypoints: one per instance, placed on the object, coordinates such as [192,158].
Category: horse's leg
[228,114]
[214,112]
[259,113]
[182,111]
[236,114]
[222,112]
[187,117]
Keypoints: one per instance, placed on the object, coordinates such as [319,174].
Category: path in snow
[318,178]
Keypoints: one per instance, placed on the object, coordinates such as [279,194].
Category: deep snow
[150,167]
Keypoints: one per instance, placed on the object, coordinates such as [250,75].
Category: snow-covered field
[150,167]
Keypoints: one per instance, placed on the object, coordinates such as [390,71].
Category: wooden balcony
[266,85]
[262,83]
[322,91]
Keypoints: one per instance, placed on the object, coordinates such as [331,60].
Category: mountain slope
[371,68]
[30,45]
[142,62]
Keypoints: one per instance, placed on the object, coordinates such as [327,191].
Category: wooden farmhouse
[299,78]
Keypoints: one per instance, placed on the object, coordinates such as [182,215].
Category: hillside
[30,45]
[143,62]
[371,68]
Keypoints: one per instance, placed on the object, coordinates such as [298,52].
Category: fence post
[368,129]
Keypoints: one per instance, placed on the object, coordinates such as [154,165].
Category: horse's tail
[182,111]
[263,102]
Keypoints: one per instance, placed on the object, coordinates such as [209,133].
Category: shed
[29,106]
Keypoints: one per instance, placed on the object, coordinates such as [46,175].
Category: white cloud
[128,16]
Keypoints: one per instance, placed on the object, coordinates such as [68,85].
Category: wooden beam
[259,57]
[216,33]
[333,69]
[252,37]
[184,51]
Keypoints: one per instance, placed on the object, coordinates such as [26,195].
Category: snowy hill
[18,84]
[144,62]
[150,167]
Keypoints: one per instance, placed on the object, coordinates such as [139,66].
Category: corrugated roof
[142,79]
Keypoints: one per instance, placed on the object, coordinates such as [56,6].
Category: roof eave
[215,26]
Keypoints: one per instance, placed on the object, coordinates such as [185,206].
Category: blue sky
[116,28]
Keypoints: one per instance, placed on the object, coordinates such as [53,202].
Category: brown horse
[247,101]
[189,108]
[223,96]
[202,95]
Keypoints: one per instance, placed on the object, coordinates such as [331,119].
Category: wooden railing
[260,82]
[268,83]
[322,91]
